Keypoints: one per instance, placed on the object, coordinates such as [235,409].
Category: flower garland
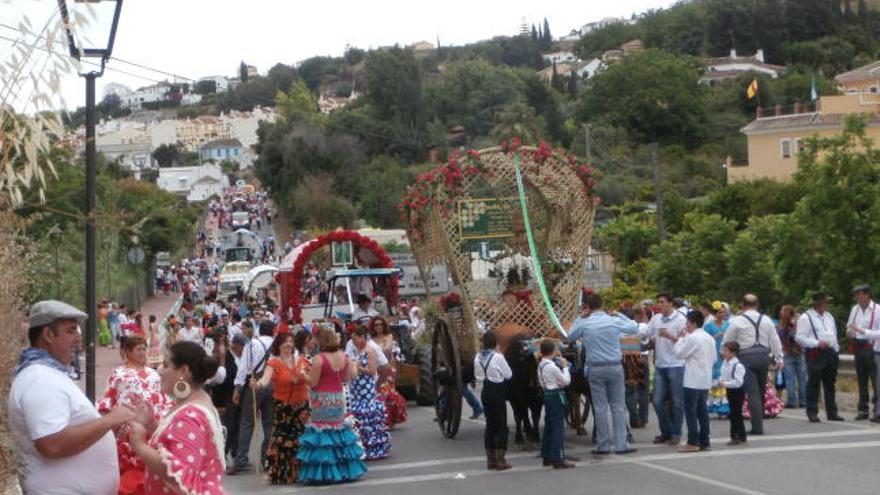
[450,177]
[293,280]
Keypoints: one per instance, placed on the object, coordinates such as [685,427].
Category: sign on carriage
[410,283]
[491,218]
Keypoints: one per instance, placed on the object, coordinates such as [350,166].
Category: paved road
[795,457]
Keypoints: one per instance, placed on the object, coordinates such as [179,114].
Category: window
[873,89]
[785,148]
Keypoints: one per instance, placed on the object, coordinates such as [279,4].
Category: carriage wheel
[446,375]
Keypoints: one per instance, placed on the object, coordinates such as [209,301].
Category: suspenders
[757,326]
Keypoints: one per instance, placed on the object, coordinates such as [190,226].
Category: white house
[220,82]
[732,66]
[148,94]
[196,183]
[560,57]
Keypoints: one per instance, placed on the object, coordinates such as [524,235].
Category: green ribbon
[536,263]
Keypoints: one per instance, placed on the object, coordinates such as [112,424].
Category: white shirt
[867,319]
[733,374]
[551,376]
[44,401]
[825,330]
[381,359]
[742,330]
[664,354]
[359,313]
[193,334]
[252,357]
[697,349]
[232,330]
[496,370]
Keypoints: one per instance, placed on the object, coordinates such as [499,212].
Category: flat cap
[862,288]
[46,312]
[819,297]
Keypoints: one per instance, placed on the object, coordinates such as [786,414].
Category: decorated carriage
[513,224]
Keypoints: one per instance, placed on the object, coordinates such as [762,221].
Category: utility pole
[587,147]
[658,191]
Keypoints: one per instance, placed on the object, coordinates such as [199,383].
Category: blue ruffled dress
[369,412]
[329,450]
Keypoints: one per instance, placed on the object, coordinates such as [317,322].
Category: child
[554,377]
[732,376]
[491,368]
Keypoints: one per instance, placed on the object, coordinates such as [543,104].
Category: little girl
[732,376]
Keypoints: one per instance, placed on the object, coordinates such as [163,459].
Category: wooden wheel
[446,375]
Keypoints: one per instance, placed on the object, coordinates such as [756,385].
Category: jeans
[472,400]
[795,370]
[607,390]
[265,408]
[669,383]
[696,416]
[552,448]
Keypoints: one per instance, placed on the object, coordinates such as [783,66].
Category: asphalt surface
[794,457]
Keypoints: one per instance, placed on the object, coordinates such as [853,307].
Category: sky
[197,38]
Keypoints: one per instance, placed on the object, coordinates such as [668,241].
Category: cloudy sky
[195,38]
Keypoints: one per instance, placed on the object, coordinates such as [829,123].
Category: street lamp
[101,16]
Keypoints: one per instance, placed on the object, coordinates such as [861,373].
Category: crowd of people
[705,360]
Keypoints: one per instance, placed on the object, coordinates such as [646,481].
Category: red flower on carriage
[450,300]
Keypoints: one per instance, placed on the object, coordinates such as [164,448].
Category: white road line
[701,479]
[591,463]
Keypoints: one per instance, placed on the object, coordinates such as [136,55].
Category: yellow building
[193,133]
[862,80]
[774,141]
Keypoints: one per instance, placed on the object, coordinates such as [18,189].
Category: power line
[127,62]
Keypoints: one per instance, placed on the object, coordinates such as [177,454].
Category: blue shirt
[600,333]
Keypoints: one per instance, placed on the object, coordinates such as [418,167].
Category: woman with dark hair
[491,368]
[184,454]
[794,368]
[329,451]
[395,404]
[365,406]
[133,384]
[290,393]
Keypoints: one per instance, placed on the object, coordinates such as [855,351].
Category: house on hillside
[865,79]
[195,183]
[560,57]
[774,141]
[629,48]
[730,67]
[584,70]
[220,150]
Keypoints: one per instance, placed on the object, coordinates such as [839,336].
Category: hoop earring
[181,389]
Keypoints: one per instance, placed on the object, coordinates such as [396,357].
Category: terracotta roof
[801,120]
[867,72]
[222,143]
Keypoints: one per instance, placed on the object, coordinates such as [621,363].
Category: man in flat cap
[865,315]
[64,445]
[817,335]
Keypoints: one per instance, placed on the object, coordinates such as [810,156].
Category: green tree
[381,188]
[167,155]
[546,37]
[517,119]
[629,237]
[297,104]
[205,87]
[654,95]
[243,75]
[607,38]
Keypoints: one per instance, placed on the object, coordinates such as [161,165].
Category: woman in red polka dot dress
[185,452]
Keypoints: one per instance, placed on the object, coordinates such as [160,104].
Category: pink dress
[190,443]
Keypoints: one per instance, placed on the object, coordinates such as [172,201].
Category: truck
[241,220]
[231,278]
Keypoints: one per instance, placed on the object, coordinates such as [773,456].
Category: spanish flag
[753,89]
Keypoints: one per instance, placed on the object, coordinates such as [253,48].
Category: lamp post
[55,234]
[102,51]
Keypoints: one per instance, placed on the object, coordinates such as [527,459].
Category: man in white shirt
[866,315]
[190,332]
[817,335]
[697,348]
[64,446]
[364,310]
[252,364]
[757,338]
[665,328]
[553,375]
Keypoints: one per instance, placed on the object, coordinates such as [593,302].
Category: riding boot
[500,463]
[491,460]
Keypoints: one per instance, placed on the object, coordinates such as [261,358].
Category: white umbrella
[258,278]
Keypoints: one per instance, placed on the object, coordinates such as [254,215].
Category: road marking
[591,463]
[702,479]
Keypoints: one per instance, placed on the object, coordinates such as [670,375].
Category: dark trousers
[231,421]
[696,416]
[552,448]
[735,397]
[638,399]
[265,409]
[757,361]
[821,370]
[866,370]
[494,398]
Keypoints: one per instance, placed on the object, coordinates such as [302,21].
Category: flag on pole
[753,89]
[814,95]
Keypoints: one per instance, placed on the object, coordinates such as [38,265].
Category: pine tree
[243,72]
[573,84]
[547,38]
[534,33]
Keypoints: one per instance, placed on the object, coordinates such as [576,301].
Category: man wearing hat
[364,310]
[64,445]
[817,335]
[865,315]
